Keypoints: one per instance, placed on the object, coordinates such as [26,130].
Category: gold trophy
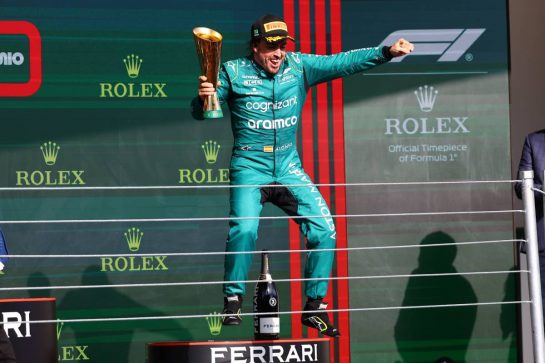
[208,44]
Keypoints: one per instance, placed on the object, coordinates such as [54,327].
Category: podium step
[261,351]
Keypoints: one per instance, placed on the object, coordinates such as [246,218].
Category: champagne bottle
[266,326]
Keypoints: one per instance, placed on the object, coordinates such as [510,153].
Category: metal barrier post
[533,263]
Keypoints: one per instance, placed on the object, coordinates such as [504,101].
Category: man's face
[270,55]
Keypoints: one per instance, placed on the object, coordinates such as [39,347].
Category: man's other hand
[401,47]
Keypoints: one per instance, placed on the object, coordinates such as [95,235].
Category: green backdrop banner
[440,114]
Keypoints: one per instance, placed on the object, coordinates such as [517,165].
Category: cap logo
[275,39]
[275,25]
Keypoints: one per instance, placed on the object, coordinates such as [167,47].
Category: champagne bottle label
[269,325]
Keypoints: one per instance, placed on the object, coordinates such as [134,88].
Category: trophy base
[213,114]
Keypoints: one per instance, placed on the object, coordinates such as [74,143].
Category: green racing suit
[265,115]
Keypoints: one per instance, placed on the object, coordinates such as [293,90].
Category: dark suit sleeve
[526,163]
[6,350]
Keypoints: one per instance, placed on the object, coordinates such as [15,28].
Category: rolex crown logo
[214,321]
[133,63]
[426,97]
[133,236]
[211,150]
[50,150]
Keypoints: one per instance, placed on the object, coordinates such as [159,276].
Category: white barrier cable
[538,190]
[229,186]
[221,282]
[211,219]
[204,219]
[171,317]
[256,252]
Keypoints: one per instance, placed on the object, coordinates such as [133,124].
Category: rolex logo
[133,236]
[211,149]
[443,125]
[214,321]
[426,97]
[50,177]
[50,150]
[133,89]
[133,64]
[70,353]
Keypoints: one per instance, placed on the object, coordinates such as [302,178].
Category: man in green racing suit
[265,92]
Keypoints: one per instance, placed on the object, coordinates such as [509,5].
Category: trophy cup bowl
[208,45]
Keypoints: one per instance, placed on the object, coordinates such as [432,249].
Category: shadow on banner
[439,335]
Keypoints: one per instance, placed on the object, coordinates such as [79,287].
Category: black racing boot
[317,319]
[231,309]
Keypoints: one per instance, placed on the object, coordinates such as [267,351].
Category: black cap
[271,28]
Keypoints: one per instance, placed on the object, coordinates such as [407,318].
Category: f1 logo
[451,44]
[24,89]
